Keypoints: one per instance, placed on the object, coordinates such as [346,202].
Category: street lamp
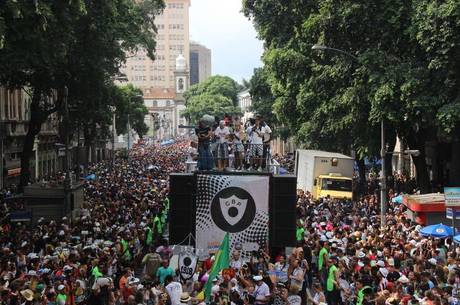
[383,187]
[114,134]
[129,120]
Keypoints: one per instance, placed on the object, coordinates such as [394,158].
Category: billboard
[234,204]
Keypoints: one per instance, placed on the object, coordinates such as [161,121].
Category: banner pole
[453,220]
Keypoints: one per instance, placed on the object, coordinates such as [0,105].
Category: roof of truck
[327,154]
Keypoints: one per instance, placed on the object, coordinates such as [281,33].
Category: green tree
[262,96]
[216,96]
[80,44]
[406,71]
[132,104]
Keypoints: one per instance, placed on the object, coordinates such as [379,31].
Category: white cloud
[220,25]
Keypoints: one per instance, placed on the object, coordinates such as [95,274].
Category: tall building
[165,105]
[200,63]
[172,40]
[245,103]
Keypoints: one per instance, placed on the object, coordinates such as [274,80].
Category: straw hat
[27,294]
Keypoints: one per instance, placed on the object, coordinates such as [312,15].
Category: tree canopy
[216,96]
[47,45]
[406,73]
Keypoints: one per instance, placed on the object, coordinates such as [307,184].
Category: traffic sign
[452,196]
[449,213]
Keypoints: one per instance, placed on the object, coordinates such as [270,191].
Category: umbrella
[457,238]
[90,177]
[397,199]
[439,230]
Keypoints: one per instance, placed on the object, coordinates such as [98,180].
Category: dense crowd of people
[116,251]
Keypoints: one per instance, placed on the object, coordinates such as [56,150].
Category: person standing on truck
[266,138]
[256,133]
[204,134]
[222,134]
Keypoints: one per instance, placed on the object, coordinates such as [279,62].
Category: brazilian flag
[221,261]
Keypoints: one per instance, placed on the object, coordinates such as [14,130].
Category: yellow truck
[324,173]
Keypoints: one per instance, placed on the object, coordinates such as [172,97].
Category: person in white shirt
[222,134]
[174,290]
[256,133]
[236,262]
[261,291]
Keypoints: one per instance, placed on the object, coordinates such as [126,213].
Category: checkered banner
[234,204]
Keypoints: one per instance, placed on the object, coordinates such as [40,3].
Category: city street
[216,152]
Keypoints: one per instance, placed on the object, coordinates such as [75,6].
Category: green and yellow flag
[221,261]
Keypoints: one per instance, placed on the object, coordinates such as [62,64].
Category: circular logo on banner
[233,209]
[187,264]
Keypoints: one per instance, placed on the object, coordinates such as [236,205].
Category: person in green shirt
[362,292]
[323,258]
[332,283]
[61,298]
[164,271]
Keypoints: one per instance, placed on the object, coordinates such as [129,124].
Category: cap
[391,262]
[61,287]
[381,264]
[433,261]
[258,278]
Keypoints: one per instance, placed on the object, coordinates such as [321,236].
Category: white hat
[391,261]
[24,243]
[383,272]
[323,238]
[381,264]
[61,233]
[361,264]
[258,278]
[379,253]
[32,255]
[413,242]
[433,261]
[403,279]
[133,280]
[32,273]
[418,228]
[322,223]
[361,254]
[67,268]
[329,235]
[61,287]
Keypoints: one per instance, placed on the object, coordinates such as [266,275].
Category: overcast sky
[220,26]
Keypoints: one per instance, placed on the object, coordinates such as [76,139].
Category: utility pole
[114,135]
[2,136]
[383,181]
[67,180]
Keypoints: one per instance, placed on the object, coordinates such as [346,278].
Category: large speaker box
[282,211]
[182,207]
